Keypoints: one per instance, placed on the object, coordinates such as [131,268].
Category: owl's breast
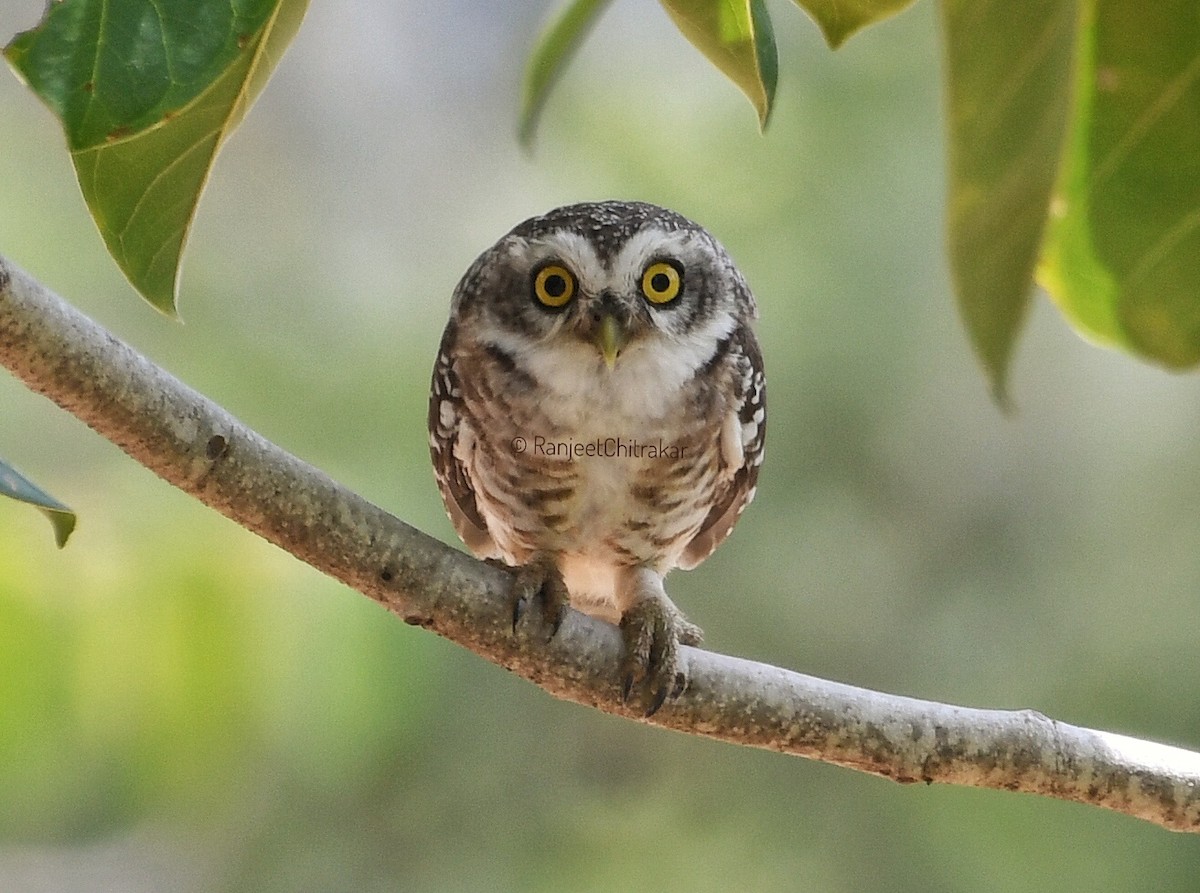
[602,468]
[622,488]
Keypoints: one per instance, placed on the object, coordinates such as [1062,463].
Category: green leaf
[737,37]
[1008,85]
[147,92]
[1122,255]
[555,47]
[17,486]
[839,19]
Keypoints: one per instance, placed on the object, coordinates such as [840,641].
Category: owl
[597,417]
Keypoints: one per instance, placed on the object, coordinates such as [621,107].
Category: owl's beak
[611,336]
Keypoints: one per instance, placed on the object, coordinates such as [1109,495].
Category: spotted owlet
[597,417]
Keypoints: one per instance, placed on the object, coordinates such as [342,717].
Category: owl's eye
[553,285]
[661,282]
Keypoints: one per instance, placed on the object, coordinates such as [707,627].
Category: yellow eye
[661,283]
[553,285]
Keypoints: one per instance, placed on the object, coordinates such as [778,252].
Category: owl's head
[604,280]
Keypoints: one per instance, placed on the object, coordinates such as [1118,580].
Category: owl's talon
[519,604]
[540,581]
[626,688]
[680,685]
[660,698]
[653,630]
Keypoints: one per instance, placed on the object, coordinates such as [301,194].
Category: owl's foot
[653,629]
[540,582]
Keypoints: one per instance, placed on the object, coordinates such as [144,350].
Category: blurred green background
[185,708]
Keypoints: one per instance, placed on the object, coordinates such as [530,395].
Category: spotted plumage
[597,415]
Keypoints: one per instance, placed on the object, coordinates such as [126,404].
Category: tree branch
[198,447]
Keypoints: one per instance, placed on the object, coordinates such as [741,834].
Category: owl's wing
[742,444]
[449,439]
